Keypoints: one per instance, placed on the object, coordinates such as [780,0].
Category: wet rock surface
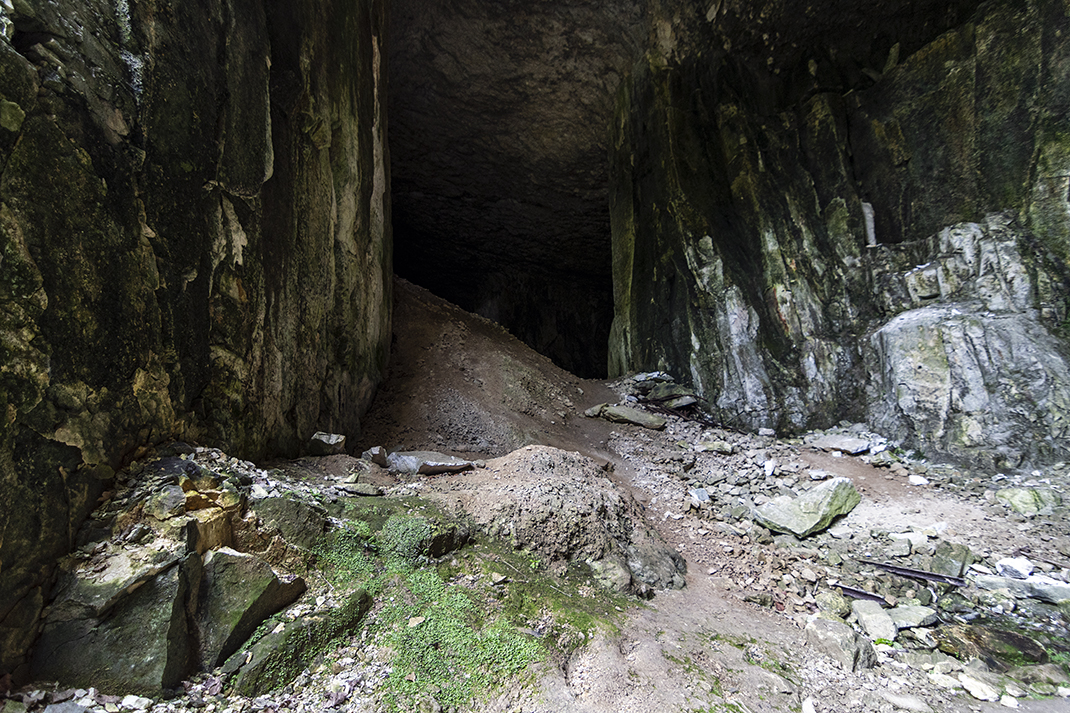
[178,257]
[765,619]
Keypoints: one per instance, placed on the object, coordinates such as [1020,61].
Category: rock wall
[194,243]
[771,197]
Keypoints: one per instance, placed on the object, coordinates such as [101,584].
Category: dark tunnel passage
[500,116]
[498,124]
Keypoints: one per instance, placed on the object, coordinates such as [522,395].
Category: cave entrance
[499,116]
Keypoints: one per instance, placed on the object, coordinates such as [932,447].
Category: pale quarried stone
[850,445]
[1016,567]
[1036,586]
[326,444]
[907,617]
[812,511]
[978,689]
[842,643]
[875,620]
[426,462]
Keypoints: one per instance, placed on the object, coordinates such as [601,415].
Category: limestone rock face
[809,241]
[194,238]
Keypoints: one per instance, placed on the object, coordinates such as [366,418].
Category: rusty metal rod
[916,573]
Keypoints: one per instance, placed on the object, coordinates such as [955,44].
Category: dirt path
[462,385]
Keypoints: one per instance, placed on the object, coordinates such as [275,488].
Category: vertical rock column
[194,242]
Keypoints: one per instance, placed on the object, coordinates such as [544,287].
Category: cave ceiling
[499,114]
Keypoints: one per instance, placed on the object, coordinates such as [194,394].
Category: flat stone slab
[845,444]
[426,463]
[877,622]
[627,414]
[842,643]
[907,617]
[1035,587]
[812,511]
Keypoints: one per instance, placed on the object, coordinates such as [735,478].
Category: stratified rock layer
[194,232]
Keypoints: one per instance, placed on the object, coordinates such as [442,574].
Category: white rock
[944,681]
[808,706]
[908,617]
[1017,567]
[978,689]
[918,480]
[907,703]
[843,444]
[874,620]
[1008,701]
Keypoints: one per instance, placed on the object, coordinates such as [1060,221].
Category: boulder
[850,445]
[377,455]
[951,559]
[239,591]
[326,444]
[874,620]
[908,617]
[280,655]
[426,463]
[139,643]
[627,414]
[1036,587]
[812,511]
[1028,501]
[1000,649]
[839,641]
[1016,567]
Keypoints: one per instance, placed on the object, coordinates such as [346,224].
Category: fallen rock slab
[279,656]
[1002,650]
[142,644]
[426,463]
[876,622]
[839,641]
[978,689]
[845,444]
[811,512]
[1035,587]
[627,414]
[908,617]
[239,591]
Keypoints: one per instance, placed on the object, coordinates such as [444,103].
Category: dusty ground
[462,385]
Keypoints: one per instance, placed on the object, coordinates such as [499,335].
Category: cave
[203,207]
[500,116]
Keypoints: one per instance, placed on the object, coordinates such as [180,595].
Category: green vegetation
[445,645]
[459,626]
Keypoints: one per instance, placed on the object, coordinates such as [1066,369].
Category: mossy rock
[280,656]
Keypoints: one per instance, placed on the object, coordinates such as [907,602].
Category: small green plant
[344,556]
[444,647]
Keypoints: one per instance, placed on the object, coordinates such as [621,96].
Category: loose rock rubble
[979,618]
